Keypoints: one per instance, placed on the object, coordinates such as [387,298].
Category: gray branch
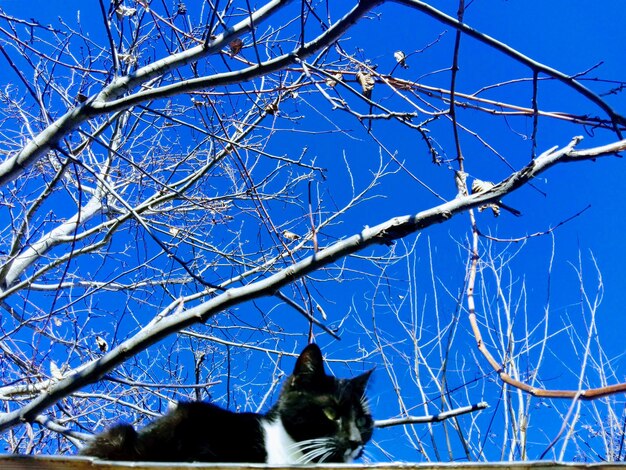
[384,233]
[48,139]
[51,239]
[385,423]
[109,99]
[517,56]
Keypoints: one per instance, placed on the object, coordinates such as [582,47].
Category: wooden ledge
[54,462]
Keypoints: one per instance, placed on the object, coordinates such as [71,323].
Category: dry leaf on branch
[271,108]
[336,77]
[128,59]
[479,186]
[494,208]
[55,372]
[102,344]
[123,11]
[367,83]
[81,98]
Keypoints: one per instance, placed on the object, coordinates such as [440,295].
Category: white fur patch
[280,447]
[350,455]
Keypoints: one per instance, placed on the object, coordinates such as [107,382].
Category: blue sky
[572,36]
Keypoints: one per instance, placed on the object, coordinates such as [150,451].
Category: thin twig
[384,423]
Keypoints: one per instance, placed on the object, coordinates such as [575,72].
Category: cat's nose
[355,450]
[354,445]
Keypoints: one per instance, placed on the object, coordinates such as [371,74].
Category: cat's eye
[331,413]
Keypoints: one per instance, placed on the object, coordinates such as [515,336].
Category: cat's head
[327,417]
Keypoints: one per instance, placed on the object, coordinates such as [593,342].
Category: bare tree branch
[384,423]
[383,233]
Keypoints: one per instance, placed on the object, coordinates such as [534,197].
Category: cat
[317,418]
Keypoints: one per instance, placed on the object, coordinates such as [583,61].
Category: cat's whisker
[324,456]
[319,448]
[320,453]
[309,443]
[367,456]
[310,454]
[315,439]
[307,457]
[365,403]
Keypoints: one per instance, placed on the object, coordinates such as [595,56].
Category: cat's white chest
[281,449]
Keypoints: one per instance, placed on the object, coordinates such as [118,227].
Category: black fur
[312,405]
[308,395]
[194,431]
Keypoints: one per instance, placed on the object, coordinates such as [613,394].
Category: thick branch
[51,239]
[241,76]
[383,233]
[519,57]
[162,66]
[45,141]
[109,98]
[544,161]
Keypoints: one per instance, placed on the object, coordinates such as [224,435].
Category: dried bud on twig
[235,46]
[290,235]
[479,186]
[400,59]
[322,312]
[123,11]
[271,108]
[102,344]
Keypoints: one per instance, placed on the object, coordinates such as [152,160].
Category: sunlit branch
[14,166]
[383,233]
[239,76]
[55,237]
[543,161]
[617,119]
[384,423]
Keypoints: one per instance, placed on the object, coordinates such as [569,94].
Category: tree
[194,192]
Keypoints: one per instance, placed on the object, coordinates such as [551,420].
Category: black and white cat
[317,418]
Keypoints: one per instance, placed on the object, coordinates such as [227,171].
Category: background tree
[193,192]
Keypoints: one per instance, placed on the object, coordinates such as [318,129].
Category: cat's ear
[310,362]
[360,381]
